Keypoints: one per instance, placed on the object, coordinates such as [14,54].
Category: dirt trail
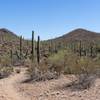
[56,89]
[9,87]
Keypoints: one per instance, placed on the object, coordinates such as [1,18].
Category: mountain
[10,41]
[6,31]
[7,35]
[79,34]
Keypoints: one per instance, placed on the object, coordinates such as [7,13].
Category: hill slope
[7,35]
[79,34]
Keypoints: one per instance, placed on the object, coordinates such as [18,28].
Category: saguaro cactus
[38,50]
[91,50]
[55,48]
[11,56]
[20,47]
[51,46]
[33,46]
[96,49]
[80,49]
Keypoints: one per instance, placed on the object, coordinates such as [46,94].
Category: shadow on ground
[82,83]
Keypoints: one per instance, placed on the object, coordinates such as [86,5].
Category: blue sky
[49,18]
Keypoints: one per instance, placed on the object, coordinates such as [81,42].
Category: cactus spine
[38,50]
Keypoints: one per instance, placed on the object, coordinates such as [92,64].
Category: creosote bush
[57,62]
[40,72]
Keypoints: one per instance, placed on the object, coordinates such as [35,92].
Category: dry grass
[5,71]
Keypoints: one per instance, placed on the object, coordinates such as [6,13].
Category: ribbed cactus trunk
[80,49]
[20,47]
[96,50]
[74,47]
[33,46]
[85,52]
[91,50]
[70,46]
[11,56]
[51,47]
[38,50]
[55,48]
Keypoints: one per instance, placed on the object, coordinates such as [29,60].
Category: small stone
[57,93]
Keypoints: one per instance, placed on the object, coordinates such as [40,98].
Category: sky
[49,18]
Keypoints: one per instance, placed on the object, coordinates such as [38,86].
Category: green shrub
[70,63]
[5,66]
[5,60]
[79,65]
[57,61]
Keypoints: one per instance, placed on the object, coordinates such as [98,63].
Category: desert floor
[13,88]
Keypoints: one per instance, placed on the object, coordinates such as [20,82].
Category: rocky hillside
[9,40]
[79,34]
[7,35]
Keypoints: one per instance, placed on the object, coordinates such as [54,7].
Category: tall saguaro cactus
[80,49]
[38,50]
[33,46]
[11,56]
[91,50]
[20,47]
[51,46]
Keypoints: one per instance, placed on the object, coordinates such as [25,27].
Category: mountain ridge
[76,34]
[79,34]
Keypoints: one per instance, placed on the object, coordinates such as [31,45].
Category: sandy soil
[58,90]
[10,85]
[11,88]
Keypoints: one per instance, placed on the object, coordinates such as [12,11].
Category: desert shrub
[87,65]
[83,81]
[5,61]
[79,65]
[38,75]
[84,68]
[67,62]
[40,72]
[32,69]
[57,62]
[71,62]
[5,66]
[5,71]
[86,76]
